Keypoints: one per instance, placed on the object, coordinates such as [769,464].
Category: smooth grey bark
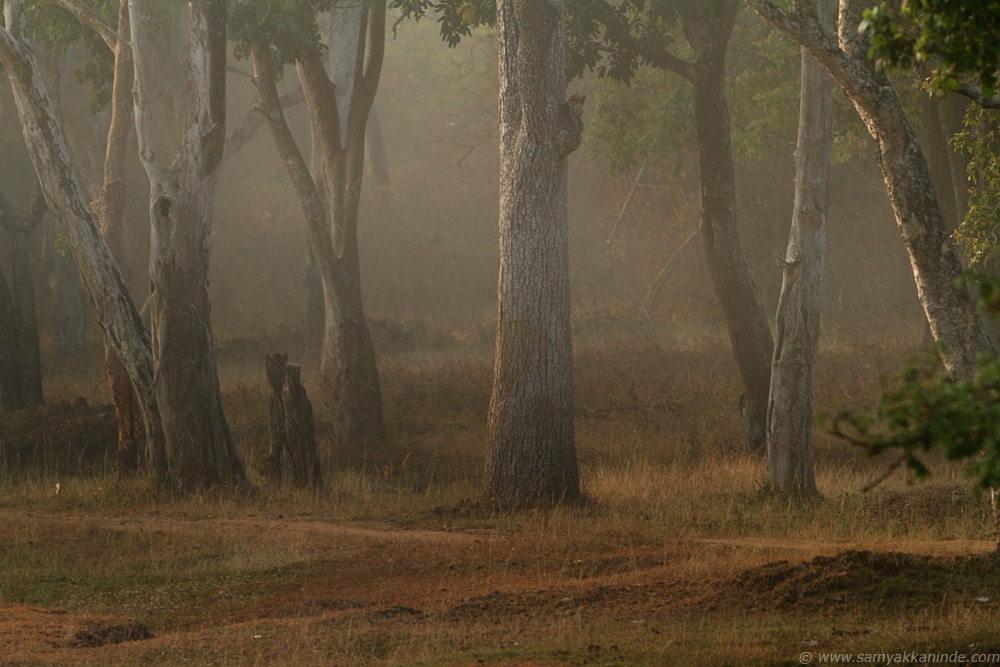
[950,311]
[198,445]
[793,370]
[330,197]
[531,451]
[110,209]
[46,145]
[708,27]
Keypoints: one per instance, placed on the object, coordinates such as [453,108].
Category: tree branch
[298,171]
[13,15]
[254,119]
[618,30]
[975,93]
[90,18]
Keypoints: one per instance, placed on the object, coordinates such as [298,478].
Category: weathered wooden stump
[292,429]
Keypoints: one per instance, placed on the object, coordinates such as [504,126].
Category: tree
[531,452]
[198,445]
[44,139]
[339,102]
[950,312]
[109,209]
[19,345]
[959,39]
[611,38]
[931,410]
[792,392]
[531,449]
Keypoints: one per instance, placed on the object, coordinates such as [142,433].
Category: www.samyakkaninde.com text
[903,658]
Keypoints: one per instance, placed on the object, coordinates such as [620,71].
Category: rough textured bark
[531,451]
[199,448]
[330,197]
[792,396]
[950,311]
[293,432]
[708,27]
[116,313]
[274,370]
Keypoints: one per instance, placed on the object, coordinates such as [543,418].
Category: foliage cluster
[980,141]
[287,26]
[931,410]
[51,23]
[957,36]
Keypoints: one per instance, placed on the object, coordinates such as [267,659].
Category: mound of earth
[32,632]
[865,578]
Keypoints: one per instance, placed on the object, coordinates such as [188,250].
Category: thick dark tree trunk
[793,371]
[315,310]
[531,451]
[939,159]
[23,293]
[951,116]
[70,308]
[708,27]
[376,151]
[11,391]
[349,374]
[21,341]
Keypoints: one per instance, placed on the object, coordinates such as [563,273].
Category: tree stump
[292,429]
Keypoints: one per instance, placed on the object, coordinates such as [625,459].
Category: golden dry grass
[669,560]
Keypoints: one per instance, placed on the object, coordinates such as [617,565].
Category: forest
[507,332]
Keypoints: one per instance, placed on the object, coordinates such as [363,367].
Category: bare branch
[885,475]
[975,93]
[90,18]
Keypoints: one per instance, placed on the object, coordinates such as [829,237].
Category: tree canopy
[958,38]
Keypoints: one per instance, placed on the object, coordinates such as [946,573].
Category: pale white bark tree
[792,396]
[46,145]
[198,445]
[950,311]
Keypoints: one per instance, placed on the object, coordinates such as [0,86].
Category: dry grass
[395,563]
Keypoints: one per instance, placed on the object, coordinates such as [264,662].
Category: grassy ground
[677,555]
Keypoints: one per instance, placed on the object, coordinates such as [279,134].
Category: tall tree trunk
[531,451]
[70,308]
[951,115]
[11,391]
[110,211]
[47,148]
[21,338]
[708,27]
[939,159]
[30,363]
[793,370]
[199,447]
[949,309]
[330,197]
